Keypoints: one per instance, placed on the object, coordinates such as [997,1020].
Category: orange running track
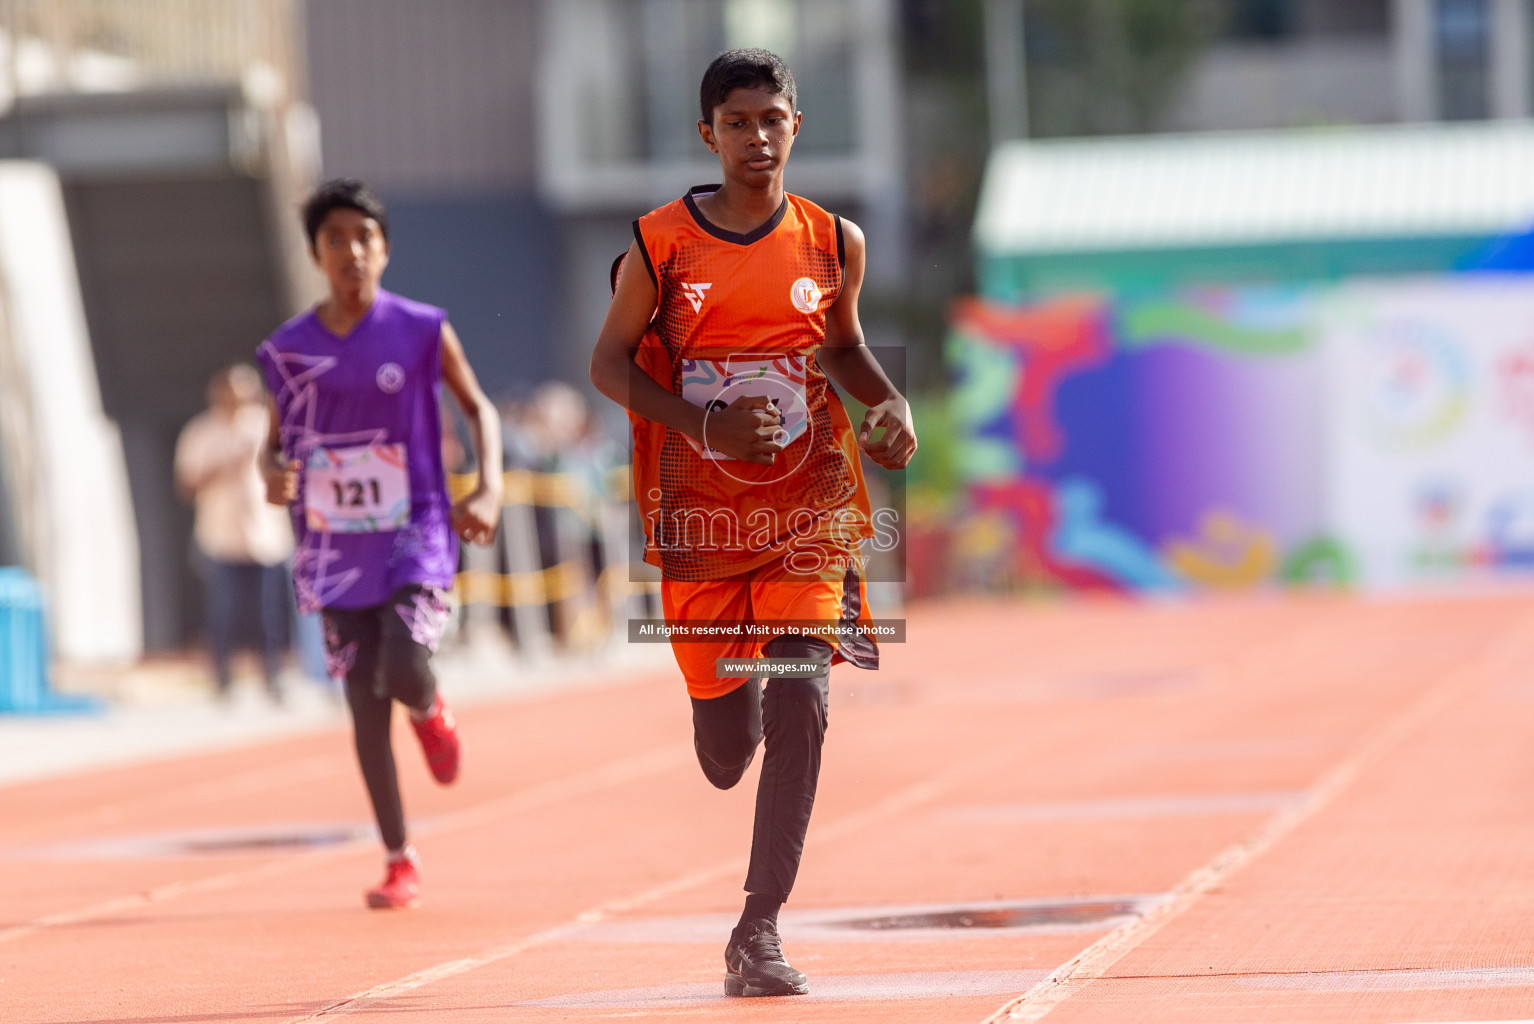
[1314,809]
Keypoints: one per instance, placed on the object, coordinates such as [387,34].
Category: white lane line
[616,773]
[149,897]
[896,803]
[1425,979]
[1236,750]
[1190,805]
[208,790]
[828,988]
[626,770]
[1094,961]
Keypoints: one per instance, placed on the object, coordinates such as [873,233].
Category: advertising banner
[1378,433]
[1430,437]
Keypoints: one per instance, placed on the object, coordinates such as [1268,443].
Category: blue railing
[24,654]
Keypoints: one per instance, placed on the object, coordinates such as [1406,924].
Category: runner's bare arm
[280,475]
[745,430]
[476,516]
[846,360]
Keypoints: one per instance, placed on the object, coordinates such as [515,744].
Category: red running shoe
[401,886]
[439,740]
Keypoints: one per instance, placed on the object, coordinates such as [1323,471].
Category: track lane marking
[1298,635]
[829,988]
[616,773]
[241,783]
[903,800]
[1093,962]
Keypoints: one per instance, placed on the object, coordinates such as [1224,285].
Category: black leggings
[792,715]
[383,662]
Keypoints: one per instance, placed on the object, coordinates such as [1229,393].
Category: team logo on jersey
[391,377]
[694,293]
[806,295]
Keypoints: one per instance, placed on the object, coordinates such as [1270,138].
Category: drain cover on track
[918,922]
[249,839]
[1028,916]
[262,842]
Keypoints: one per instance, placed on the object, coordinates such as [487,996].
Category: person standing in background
[242,542]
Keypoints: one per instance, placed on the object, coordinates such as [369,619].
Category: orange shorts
[763,595]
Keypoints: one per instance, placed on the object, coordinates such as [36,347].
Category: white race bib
[714,384]
[357,490]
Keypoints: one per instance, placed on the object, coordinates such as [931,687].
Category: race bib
[715,384]
[357,490]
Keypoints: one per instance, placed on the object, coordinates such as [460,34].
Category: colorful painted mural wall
[1377,433]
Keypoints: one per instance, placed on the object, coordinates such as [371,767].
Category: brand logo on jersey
[805,294]
[391,377]
[694,293]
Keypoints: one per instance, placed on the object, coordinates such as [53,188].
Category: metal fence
[562,573]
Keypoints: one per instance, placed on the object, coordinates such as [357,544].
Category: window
[1462,29]
[637,80]
[1260,19]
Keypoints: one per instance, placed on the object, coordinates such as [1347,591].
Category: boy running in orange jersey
[733,307]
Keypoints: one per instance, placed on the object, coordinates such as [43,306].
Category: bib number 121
[357,493]
[365,489]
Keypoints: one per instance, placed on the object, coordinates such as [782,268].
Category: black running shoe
[754,964]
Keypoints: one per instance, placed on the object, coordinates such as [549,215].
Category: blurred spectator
[576,448]
[571,454]
[553,434]
[519,444]
[242,542]
[566,437]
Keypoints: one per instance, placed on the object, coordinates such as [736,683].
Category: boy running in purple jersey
[355,448]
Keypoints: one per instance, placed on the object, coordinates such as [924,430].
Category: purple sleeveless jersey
[361,413]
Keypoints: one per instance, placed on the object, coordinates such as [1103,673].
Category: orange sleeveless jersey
[743,315]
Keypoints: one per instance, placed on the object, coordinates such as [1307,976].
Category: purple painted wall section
[1190,438]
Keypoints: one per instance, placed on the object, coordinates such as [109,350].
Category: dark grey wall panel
[10,542]
[179,279]
[171,590]
[493,263]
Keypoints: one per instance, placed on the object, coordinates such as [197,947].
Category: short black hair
[342,194]
[746,68]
